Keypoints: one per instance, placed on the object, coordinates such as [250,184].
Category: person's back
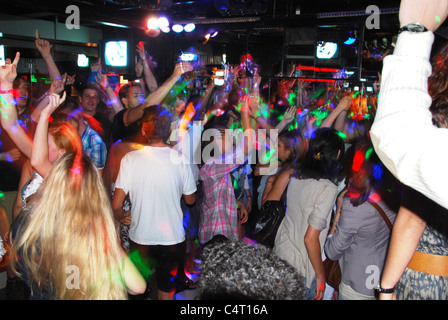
[361,239]
[155,184]
[156,178]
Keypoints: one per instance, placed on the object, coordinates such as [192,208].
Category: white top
[308,203]
[403,135]
[155,185]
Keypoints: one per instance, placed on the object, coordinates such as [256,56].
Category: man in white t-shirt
[155,185]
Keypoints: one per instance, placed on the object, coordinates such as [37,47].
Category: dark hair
[325,157]
[216,122]
[124,90]
[233,269]
[437,87]
[90,87]
[158,120]
[296,144]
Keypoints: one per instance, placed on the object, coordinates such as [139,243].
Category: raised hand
[141,50]
[138,67]
[96,66]
[430,13]
[57,86]
[55,101]
[69,80]
[290,114]
[8,72]
[345,103]
[182,67]
[101,80]
[42,45]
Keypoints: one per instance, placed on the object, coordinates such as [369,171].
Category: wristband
[387,291]
[6,91]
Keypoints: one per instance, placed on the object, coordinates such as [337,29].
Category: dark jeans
[167,261]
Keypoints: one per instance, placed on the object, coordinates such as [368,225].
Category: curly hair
[437,87]
[234,269]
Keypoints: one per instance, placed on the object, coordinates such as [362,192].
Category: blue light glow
[350,41]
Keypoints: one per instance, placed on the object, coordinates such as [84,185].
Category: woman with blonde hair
[51,141]
[65,243]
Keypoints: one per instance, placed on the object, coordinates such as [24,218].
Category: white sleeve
[403,135]
[123,176]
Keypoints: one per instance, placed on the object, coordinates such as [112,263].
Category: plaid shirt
[94,147]
[219,210]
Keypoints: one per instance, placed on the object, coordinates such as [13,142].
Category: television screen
[116,53]
[327,50]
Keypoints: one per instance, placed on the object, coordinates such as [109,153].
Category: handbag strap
[382,213]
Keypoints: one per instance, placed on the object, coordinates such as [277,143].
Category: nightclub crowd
[145,189]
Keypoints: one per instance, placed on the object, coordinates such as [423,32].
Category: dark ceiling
[133,13]
[264,22]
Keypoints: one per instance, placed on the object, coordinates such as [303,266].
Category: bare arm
[247,128]
[150,80]
[117,206]
[189,198]
[275,186]
[314,250]
[9,115]
[135,283]
[406,233]
[44,48]
[39,154]
[25,175]
[133,114]
[340,109]
[287,118]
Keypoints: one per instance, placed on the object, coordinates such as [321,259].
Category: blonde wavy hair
[70,223]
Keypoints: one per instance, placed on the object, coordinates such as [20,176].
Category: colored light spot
[369,153]
[378,172]
[358,159]
[342,135]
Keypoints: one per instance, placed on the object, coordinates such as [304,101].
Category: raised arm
[44,48]
[336,113]
[247,127]
[39,155]
[403,134]
[133,114]
[112,99]
[9,115]
[150,80]
[57,86]
[287,118]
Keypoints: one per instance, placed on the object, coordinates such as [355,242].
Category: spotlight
[214,34]
[152,24]
[163,23]
[165,29]
[177,28]
[189,27]
[205,38]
